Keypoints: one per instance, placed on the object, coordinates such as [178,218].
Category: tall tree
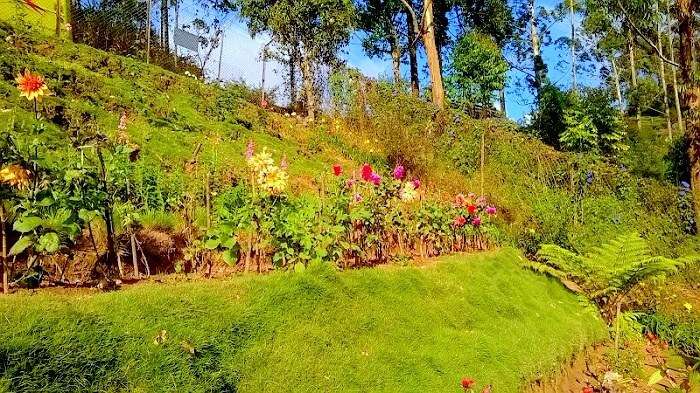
[320,28]
[426,29]
[539,67]
[164,25]
[674,77]
[382,21]
[493,18]
[686,19]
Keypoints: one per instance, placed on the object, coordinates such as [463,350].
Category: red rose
[337,170]
[471,209]
[467,383]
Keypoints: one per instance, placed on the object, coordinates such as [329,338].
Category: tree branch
[644,37]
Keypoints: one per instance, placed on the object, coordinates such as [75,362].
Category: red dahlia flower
[459,221]
[367,172]
[471,209]
[467,383]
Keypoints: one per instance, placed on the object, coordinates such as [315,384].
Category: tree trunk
[308,77]
[633,74]
[618,90]
[671,55]
[432,55]
[686,10]
[573,44]
[293,60]
[5,267]
[413,33]
[395,56]
[538,63]
[662,75]
[502,99]
[164,25]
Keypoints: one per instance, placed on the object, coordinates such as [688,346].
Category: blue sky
[241,60]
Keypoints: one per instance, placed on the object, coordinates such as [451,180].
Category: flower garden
[359,218]
[161,233]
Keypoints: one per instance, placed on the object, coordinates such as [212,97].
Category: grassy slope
[169,115]
[409,329]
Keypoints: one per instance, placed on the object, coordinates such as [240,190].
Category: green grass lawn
[388,329]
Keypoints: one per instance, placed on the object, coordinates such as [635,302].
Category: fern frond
[567,262]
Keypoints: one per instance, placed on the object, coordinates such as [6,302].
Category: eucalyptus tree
[318,28]
[425,28]
[493,18]
[382,21]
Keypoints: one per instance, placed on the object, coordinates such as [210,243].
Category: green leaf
[21,244]
[49,243]
[230,256]
[27,224]
[212,244]
[655,378]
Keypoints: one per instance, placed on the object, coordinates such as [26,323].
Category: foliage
[548,120]
[477,69]
[581,122]
[607,273]
[357,220]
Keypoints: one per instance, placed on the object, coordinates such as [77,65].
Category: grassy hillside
[408,329]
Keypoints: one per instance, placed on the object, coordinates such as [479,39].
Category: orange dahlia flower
[31,85]
[15,176]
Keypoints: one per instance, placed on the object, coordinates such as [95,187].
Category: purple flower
[476,221]
[399,172]
[357,198]
[250,150]
[416,183]
[491,210]
[375,178]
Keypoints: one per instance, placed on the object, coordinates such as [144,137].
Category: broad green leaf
[212,244]
[21,244]
[230,256]
[49,242]
[27,224]
[655,378]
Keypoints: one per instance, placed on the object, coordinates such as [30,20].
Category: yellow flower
[261,161]
[408,192]
[15,176]
[273,179]
[31,86]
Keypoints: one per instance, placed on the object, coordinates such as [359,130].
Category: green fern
[609,272]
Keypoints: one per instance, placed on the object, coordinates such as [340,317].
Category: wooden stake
[134,257]
[5,267]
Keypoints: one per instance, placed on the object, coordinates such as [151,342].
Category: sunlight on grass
[389,329]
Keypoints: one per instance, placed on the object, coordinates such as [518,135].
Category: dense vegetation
[112,168]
